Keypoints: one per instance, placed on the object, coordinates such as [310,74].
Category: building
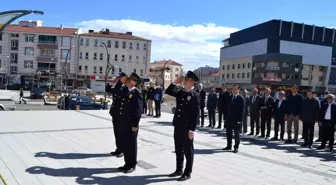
[37,54]
[205,71]
[279,54]
[211,80]
[172,70]
[128,53]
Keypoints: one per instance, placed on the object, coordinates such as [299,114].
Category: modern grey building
[279,53]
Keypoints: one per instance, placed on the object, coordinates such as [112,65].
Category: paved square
[70,147]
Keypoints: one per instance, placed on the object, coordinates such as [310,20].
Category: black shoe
[318,140]
[250,134]
[261,136]
[331,150]
[257,134]
[184,178]
[320,148]
[289,141]
[301,137]
[202,125]
[175,174]
[209,126]
[120,155]
[115,153]
[304,145]
[310,146]
[274,139]
[235,150]
[227,148]
[219,127]
[294,141]
[122,168]
[129,170]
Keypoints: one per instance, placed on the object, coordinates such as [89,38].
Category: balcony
[280,81]
[276,69]
[47,45]
[46,59]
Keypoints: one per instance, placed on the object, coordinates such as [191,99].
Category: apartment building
[211,80]
[279,54]
[37,54]
[128,53]
[172,68]
[205,71]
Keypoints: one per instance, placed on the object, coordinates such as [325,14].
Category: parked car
[37,93]
[84,102]
[82,90]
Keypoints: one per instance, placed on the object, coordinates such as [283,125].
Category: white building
[211,80]
[175,70]
[29,49]
[127,53]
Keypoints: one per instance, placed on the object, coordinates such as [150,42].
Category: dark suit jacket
[187,112]
[280,112]
[223,100]
[236,109]
[255,106]
[118,92]
[332,112]
[131,108]
[202,97]
[267,108]
[212,101]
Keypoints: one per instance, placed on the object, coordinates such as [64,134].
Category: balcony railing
[47,45]
[46,59]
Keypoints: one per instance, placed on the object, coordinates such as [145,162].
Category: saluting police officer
[130,112]
[185,120]
[118,92]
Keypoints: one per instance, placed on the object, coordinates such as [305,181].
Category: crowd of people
[152,97]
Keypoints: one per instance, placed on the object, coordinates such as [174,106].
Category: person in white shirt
[327,119]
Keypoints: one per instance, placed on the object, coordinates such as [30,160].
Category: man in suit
[185,120]
[248,102]
[130,112]
[202,93]
[234,118]
[255,112]
[144,95]
[223,102]
[266,113]
[158,94]
[327,119]
[280,115]
[211,106]
[150,100]
[320,132]
[118,93]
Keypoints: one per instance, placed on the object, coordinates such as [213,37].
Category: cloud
[194,46]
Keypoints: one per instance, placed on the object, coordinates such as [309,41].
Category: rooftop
[168,62]
[214,74]
[46,30]
[117,35]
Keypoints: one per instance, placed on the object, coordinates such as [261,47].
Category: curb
[3,180]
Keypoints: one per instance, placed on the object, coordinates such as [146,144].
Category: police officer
[185,120]
[118,92]
[130,112]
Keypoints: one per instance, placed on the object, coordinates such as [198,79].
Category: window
[87,55]
[223,67]
[145,46]
[101,43]
[244,66]
[130,58]
[80,69]
[232,75]
[223,76]
[0,48]
[238,66]
[243,75]
[228,67]
[122,58]
[227,75]
[15,35]
[247,75]
[87,42]
[131,45]
[14,44]
[81,43]
[47,39]
[137,58]
[101,57]
[28,64]
[112,70]
[124,44]
[141,72]
[64,53]
[120,70]
[96,42]
[115,57]
[248,65]
[144,58]
[116,44]
[109,44]
[138,46]
[80,55]
[95,69]
[29,38]
[134,71]
[233,66]
[0,36]
[94,56]
[100,70]
[238,75]
[66,41]
[47,52]
[29,51]
[86,69]
[13,69]
[14,58]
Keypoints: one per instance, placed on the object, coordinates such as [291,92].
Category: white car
[173,105]
[82,90]
[7,100]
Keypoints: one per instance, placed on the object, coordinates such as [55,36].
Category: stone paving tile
[75,151]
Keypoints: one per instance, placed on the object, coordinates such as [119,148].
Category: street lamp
[109,66]
[8,17]
[65,70]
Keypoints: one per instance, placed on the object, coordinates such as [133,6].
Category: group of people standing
[152,97]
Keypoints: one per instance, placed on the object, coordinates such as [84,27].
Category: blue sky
[187,31]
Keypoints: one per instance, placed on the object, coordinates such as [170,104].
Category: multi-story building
[29,50]
[128,53]
[211,80]
[205,71]
[278,53]
[172,70]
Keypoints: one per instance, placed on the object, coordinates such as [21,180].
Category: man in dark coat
[320,131]
[243,128]
[118,93]
[144,95]
[280,115]
[211,106]
[185,121]
[223,102]
[266,107]
[158,95]
[234,118]
[202,93]
[130,112]
[150,100]
[255,112]
[327,119]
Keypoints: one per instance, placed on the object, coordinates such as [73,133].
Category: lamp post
[65,69]
[109,66]
[10,16]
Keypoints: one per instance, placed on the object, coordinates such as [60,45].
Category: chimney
[128,33]
[61,26]
[91,31]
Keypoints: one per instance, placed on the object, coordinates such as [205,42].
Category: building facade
[280,53]
[37,54]
[211,80]
[205,71]
[172,70]
[126,52]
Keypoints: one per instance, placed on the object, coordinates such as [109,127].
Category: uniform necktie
[233,99]
[253,99]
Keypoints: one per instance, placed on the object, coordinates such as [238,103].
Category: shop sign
[272,79]
[273,68]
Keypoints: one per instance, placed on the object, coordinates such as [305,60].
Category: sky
[187,31]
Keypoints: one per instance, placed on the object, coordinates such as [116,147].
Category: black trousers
[235,127]
[118,134]
[157,107]
[183,147]
[254,121]
[212,117]
[222,115]
[266,121]
[130,146]
[202,115]
[281,123]
[144,111]
[320,132]
[328,133]
[308,132]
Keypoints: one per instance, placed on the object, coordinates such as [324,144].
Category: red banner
[272,79]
